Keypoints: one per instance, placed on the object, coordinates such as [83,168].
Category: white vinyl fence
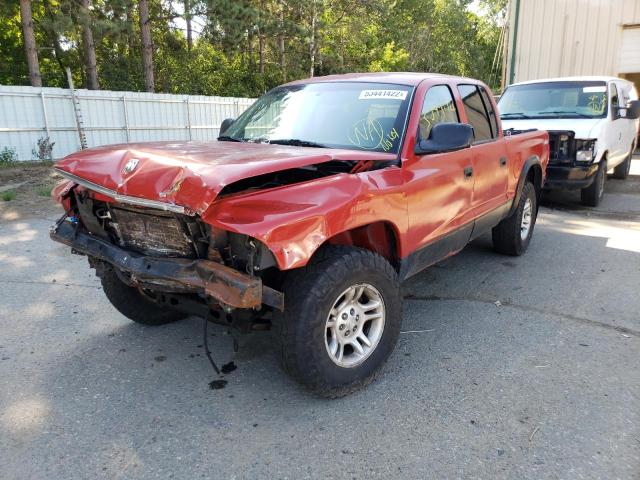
[30,113]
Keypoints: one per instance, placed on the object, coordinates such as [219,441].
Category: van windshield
[583,99]
[352,115]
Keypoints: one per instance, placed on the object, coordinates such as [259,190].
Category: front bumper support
[224,284]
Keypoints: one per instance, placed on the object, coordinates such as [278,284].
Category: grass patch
[25,164]
[8,195]
[44,191]
[7,164]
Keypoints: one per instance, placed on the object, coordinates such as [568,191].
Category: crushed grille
[561,151]
[151,232]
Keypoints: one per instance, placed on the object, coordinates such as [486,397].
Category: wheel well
[534,175]
[604,157]
[379,237]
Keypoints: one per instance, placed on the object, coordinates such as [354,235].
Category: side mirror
[226,123]
[632,110]
[446,137]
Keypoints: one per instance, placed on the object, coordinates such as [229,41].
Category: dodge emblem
[130,166]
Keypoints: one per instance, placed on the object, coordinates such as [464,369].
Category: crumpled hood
[192,174]
[584,128]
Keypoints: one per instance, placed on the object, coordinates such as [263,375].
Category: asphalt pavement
[520,368]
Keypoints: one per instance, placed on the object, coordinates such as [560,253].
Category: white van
[592,124]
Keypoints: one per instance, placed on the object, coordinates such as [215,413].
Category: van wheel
[513,234]
[592,195]
[622,171]
[341,320]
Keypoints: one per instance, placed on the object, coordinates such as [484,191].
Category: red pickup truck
[307,213]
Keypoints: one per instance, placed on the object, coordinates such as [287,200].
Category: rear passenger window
[438,107]
[492,114]
[476,113]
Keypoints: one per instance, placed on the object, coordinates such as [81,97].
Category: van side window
[438,107]
[615,102]
[492,114]
[476,113]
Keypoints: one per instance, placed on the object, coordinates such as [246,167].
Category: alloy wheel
[354,325]
[527,218]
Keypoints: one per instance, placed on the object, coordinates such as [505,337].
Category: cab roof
[398,78]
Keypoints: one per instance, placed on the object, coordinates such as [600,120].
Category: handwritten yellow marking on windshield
[597,103]
[387,144]
[367,133]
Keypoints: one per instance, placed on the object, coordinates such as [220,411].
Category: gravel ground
[522,368]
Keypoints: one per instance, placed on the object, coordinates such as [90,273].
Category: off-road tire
[507,238]
[621,172]
[310,293]
[592,195]
[131,303]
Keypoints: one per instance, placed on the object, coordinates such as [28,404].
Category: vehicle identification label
[383,94]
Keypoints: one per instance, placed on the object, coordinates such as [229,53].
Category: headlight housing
[585,150]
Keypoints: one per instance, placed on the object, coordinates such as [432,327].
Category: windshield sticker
[600,89]
[383,94]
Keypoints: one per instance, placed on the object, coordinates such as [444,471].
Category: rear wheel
[592,195]
[135,305]
[513,234]
[622,171]
[341,321]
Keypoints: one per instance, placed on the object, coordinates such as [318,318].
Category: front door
[617,151]
[439,186]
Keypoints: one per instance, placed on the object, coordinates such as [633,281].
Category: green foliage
[391,59]
[8,156]
[8,195]
[443,36]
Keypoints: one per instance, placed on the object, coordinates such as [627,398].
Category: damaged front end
[174,258]
[573,162]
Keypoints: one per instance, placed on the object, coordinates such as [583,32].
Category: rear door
[438,186]
[489,155]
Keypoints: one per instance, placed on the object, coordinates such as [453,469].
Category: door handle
[503,161]
[468,172]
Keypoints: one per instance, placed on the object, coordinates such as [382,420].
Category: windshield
[554,100]
[361,116]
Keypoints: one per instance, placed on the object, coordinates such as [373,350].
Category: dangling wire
[206,348]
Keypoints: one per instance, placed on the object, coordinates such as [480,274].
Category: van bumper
[570,178]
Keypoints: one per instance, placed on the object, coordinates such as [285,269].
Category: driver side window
[438,107]
[615,102]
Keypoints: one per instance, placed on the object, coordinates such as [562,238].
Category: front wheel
[592,195]
[341,321]
[513,234]
[133,304]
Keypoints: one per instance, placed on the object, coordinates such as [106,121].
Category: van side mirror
[632,110]
[226,123]
[445,137]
